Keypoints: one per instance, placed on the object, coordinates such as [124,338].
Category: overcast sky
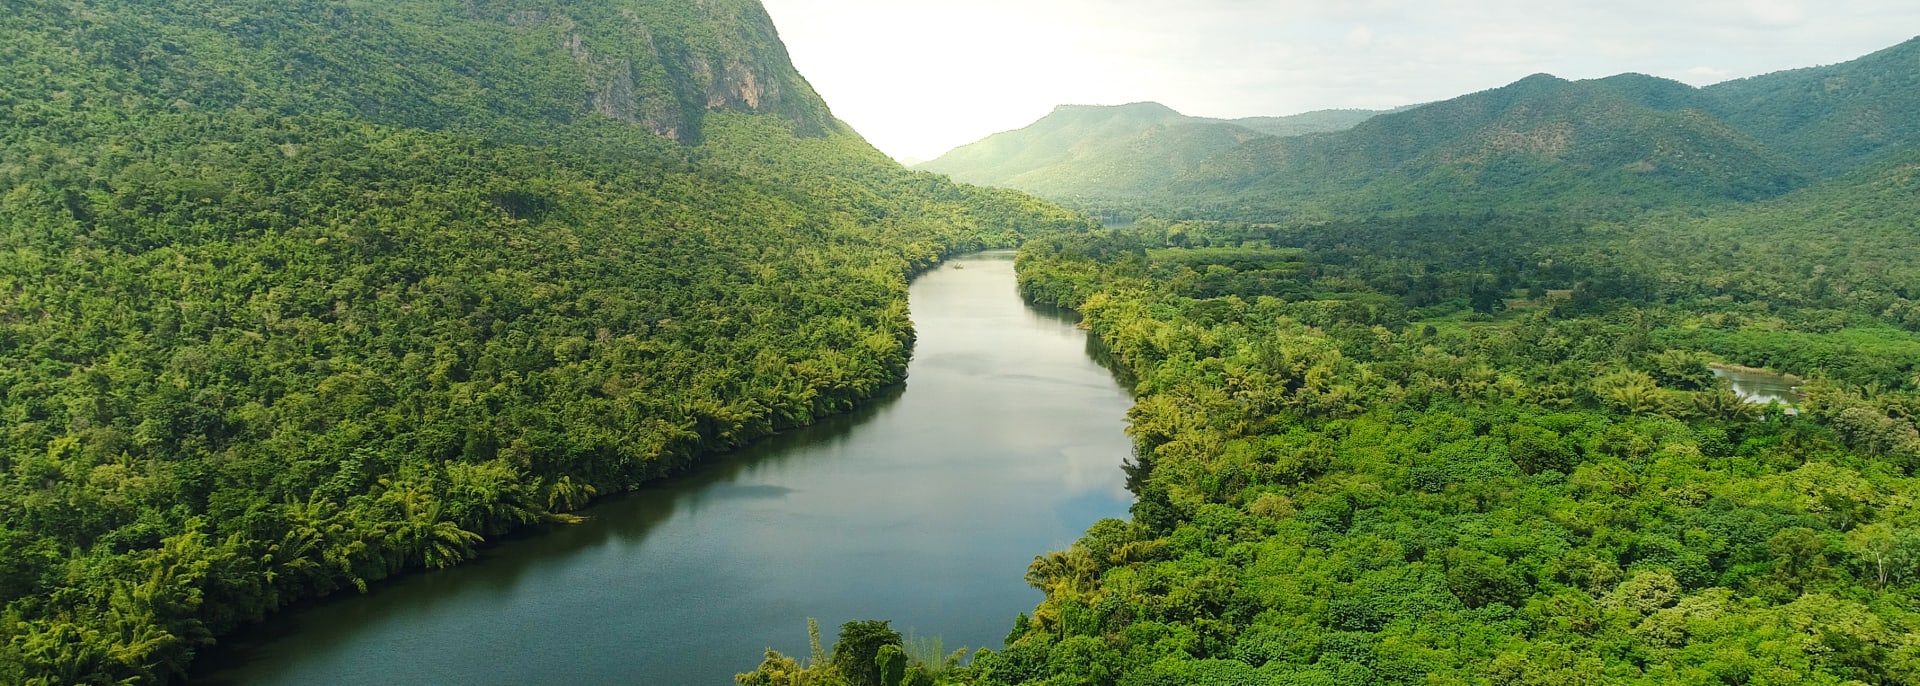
[919,77]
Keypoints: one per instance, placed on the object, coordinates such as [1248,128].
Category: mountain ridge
[1135,146]
[1618,143]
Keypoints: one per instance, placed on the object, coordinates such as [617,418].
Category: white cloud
[1701,76]
[1781,13]
[1360,37]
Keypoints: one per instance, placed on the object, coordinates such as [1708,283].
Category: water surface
[924,509]
[1761,387]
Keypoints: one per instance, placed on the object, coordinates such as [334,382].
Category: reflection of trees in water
[626,518]
[1096,349]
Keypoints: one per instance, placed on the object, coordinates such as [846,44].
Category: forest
[1487,449]
[299,296]
[294,299]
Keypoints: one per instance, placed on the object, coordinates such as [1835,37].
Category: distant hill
[1833,118]
[1125,149]
[1623,143]
[1322,121]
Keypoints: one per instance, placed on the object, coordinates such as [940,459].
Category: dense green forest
[295,297]
[1490,449]
[1430,440]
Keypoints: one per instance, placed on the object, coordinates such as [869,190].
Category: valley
[453,341]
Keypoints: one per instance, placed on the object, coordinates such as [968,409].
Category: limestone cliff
[665,65]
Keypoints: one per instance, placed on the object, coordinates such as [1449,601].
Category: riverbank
[1006,441]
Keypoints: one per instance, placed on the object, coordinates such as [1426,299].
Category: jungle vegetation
[1473,450]
[298,296]
[1490,447]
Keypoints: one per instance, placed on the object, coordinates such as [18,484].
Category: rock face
[614,92]
[652,66]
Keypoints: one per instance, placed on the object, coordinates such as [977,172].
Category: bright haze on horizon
[920,77]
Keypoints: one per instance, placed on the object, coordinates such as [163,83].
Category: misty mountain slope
[298,296]
[1124,149]
[1834,118]
[1067,134]
[1322,121]
[1622,143]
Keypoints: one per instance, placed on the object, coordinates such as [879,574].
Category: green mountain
[1835,118]
[1121,150]
[1626,141]
[295,296]
[1321,121]
[469,65]
[1619,144]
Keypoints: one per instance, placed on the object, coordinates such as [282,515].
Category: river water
[924,509]
[1761,388]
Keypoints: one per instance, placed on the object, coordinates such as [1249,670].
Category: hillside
[1622,142]
[1121,150]
[1834,118]
[1611,146]
[296,297]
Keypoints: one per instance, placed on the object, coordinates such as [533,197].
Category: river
[1761,387]
[924,509]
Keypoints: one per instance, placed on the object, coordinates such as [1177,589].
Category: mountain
[1629,141]
[297,296]
[1834,118]
[1322,121]
[425,64]
[1120,150]
[1619,144]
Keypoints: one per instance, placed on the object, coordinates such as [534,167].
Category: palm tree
[1725,405]
[1635,398]
[567,495]
[421,533]
[1069,572]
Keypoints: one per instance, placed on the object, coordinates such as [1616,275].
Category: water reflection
[1761,387]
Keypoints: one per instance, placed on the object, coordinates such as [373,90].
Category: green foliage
[892,663]
[296,297]
[865,651]
[1347,475]
[1834,118]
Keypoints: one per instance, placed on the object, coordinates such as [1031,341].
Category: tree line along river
[924,508]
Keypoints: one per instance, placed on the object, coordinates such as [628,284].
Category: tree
[891,663]
[856,654]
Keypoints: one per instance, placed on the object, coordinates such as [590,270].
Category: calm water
[924,509]
[1760,388]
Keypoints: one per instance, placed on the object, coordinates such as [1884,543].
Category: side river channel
[924,509]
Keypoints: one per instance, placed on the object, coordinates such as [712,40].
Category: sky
[920,77]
